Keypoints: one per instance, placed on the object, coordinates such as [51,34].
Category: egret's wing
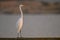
[19,24]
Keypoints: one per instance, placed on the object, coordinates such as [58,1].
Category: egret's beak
[21,5]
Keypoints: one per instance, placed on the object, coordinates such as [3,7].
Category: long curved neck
[21,13]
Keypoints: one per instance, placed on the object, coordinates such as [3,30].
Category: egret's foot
[21,37]
[17,38]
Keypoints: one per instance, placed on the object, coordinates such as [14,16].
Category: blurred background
[37,24]
[30,6]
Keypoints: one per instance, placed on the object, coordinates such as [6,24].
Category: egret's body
[20,22]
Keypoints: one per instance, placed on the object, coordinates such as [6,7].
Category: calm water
[34,26]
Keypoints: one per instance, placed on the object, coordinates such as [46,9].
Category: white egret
[20,22]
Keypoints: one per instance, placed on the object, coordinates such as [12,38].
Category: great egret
[20,22]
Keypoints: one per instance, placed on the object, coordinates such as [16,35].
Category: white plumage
[20,22]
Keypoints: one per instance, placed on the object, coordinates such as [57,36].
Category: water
[34,26]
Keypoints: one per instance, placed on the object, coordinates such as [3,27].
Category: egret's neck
[21,13]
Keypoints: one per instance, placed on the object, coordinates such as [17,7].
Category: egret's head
[21,5]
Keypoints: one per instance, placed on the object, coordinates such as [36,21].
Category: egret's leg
[20,34]
[17,35]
